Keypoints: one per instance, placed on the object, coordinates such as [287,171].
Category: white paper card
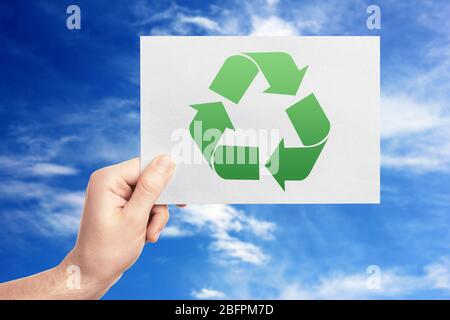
[263,119]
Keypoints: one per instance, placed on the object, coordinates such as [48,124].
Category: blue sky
[69,103]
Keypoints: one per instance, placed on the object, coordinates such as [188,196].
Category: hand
[119,217]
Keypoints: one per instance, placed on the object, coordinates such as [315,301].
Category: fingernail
[165,163]
[156,236]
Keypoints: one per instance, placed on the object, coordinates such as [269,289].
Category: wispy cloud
[272,26]
[105,130]
[394,283]
[30,166]
[199,21]
[259,18]
[403,115]
[224,224]
[231,249]
[415,107]
[415,134]
[49,169]
[44,210]
[438,274]
[206,293]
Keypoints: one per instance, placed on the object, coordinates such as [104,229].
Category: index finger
[129,170]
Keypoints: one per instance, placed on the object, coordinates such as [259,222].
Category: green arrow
[280,71]
[238,72]
[309,120]
[292,163]
[312,126]
[237,162]
[234,78]
[208,126]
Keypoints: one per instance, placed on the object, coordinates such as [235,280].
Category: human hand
[119,217]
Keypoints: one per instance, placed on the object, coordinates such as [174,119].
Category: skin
[119,218]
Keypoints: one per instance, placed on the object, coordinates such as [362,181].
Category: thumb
[150,184]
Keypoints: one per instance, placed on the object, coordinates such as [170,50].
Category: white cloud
[202,22]
[206,293]
[416,134]
[394,283]
[51,212]
[257,18]
[236,250]
[438,273]
[261,228]
[415,112]
[51,169]
[276,283]
[22,190]
[88,132]
[272,3]
[272,26]
[415,163]
[60,224]
[173,231]
[223,223]
[402,115]
[27,165]
[222,219]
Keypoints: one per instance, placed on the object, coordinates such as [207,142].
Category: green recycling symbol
[242,162]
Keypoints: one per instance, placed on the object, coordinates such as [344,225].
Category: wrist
[81,282]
